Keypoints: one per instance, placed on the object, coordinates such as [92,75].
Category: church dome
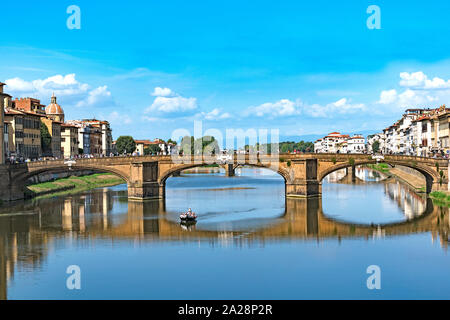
[53,108]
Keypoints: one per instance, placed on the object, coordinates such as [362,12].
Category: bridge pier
[9,191]
[229,169]
[143,184]
[351,172]
[304,182]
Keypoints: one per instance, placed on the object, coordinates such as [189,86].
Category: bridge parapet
[146,175]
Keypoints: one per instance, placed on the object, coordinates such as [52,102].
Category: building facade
[420,132]
[106,135]
[54,128]
[29,105]
[69,140]
[54,110]
[4,98]
[335,142]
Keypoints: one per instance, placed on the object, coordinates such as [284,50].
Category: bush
[351,161]
[438,195]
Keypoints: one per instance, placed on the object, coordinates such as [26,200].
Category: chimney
[1,86]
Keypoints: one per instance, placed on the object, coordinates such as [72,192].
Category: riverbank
[418,184]
[72,185]
[440,198]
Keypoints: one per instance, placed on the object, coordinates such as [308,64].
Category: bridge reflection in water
[29,231]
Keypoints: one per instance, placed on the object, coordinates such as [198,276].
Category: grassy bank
[72,185]
[440,198]
[381,167]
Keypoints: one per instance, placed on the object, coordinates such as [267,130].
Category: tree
[205,145]
[172,142]
[376,146]
[187,145]
[152,149]
[125,144]
[209,145]
[46,140]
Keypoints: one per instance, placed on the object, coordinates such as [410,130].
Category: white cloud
[170,104]
[98,97]
[162,92]
[286,107]
[117,118]
[215,114]
[61,85]
[388,96]
[173,104]
[283,107]
[340,107]
[419,80]
[67,87]
[420,92]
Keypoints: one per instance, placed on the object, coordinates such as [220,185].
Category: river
[249,242]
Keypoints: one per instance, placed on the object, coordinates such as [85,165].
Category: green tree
[376,146]
[206,145]
[187,145]
[125,144]
[152,149]
[46,140]
[172,142]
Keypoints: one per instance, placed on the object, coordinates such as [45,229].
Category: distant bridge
[146,175]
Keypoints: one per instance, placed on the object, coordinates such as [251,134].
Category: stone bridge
[146,175]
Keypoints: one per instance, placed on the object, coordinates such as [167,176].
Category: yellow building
[69,140]
[26,133]
[4,102]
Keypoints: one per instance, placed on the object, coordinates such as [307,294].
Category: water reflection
[31,231]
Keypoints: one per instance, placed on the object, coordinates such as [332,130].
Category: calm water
[249,242]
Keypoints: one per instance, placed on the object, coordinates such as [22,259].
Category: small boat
[188,216]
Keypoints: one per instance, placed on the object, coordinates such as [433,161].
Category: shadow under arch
[175,172]
[430,175]
[22,181]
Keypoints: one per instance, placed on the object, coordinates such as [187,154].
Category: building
[54,128]
[4,101]
[335,142]
[420,132]
[6,152]
[106,135]
[166,148]
[69,140]
[96,141]
[356,144]
[378,137]
[141,145]
[54,111]
[26,133]
[84,136]
[29,105]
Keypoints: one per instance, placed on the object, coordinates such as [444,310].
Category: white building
[380,138]
[335,142]
[356,144]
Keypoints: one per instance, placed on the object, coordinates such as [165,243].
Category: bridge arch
[431,176]
[177,169]
[21,181]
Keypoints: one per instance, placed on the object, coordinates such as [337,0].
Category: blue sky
[303,67]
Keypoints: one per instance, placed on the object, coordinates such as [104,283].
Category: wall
[45,177]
